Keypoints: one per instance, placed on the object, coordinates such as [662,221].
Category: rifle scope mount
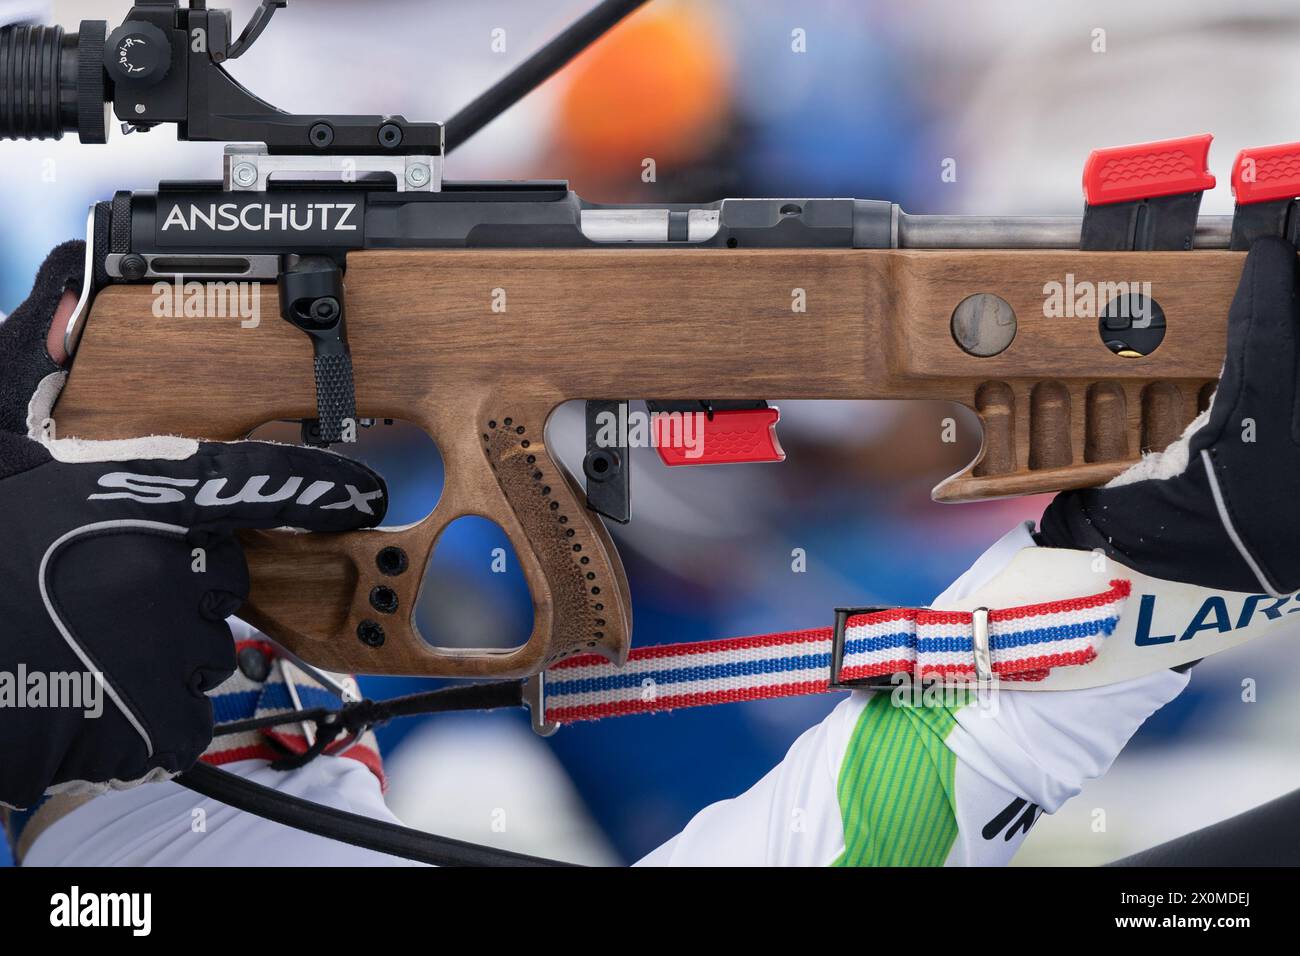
[164,64]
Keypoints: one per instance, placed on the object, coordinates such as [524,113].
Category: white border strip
[1222,505]
[104,685]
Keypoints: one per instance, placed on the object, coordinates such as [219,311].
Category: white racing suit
[872,784]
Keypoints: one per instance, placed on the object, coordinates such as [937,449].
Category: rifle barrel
[1023,232]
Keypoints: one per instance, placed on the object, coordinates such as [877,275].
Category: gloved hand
[1218,508]
[120,562]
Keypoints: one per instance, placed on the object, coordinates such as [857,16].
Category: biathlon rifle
[385,274]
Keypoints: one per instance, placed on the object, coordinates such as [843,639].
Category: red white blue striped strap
[1025,643]
[285,689]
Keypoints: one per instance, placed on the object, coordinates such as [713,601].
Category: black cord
[355,718]
[360,714]
[352,828]
[535,70]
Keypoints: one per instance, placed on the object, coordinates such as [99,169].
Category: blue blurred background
[881,98]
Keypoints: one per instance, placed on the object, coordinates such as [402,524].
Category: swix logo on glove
[158,490]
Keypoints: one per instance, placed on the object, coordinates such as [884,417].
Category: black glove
[1218,508]
[119,567]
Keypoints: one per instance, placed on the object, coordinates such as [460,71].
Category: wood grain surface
[1059,409]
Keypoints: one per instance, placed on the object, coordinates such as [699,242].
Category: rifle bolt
[245,174]
[134,267]
[601,465]
[321,135]
[383,599]
[391,561]
[371,633]
[324,311]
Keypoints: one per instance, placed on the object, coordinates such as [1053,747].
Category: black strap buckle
[842,615]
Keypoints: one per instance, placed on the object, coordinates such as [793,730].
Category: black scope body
[152,69]
[52,82]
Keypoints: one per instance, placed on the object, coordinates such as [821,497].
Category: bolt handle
[312,299]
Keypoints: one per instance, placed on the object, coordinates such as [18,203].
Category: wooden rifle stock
[1059,409]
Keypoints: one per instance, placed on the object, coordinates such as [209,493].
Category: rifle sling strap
[1086,629]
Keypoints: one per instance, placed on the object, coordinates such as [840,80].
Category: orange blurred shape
[656,86]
